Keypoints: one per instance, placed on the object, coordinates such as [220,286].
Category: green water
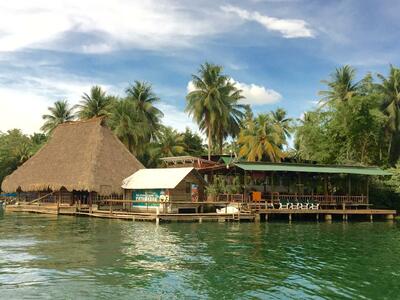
[46,257]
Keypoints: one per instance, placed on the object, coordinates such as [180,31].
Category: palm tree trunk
[209,141]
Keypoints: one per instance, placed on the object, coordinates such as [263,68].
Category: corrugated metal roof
[166,178]
[307,168]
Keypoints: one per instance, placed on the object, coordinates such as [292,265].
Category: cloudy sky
[277,51]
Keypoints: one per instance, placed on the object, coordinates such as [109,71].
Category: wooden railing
[322,199]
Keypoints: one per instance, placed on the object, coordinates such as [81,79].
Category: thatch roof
[82,156]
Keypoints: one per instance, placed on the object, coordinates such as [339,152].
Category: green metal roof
[309,168]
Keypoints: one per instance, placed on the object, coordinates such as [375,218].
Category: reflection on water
[46,257]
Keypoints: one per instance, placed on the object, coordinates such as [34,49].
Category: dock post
[290,217]
[371,217]
[200,220]
[157,218]
[257,218]
[328,217]
[389,217]
[266,217]
[344,217]
[317,217]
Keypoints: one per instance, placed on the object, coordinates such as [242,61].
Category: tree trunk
[209,142]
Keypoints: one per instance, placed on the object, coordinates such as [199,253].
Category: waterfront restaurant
[166,190]
[271,184]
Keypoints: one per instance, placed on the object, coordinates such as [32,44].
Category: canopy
[310,168]
[166,178]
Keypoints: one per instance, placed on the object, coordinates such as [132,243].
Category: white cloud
[147,23]
[23,102]
[254,94]
[257,95]
[289,28]
[177,118]
[21,110]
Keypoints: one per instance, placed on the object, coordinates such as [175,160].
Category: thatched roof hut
[81,156]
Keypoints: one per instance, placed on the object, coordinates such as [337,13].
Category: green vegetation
[355,122]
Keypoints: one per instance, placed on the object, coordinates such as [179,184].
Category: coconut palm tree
[213,104]
[260,140]
[390,89]
[282,123]
[60,113]
[229,120]
[170,143]
[128,126]
[95,104]
[341,86]
[142,96]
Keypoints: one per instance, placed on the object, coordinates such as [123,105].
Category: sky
[276,51]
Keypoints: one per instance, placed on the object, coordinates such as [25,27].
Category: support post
[257,218]
[328,217]
[389,217]
[371,217]
[290,217]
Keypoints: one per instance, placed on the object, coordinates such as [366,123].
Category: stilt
[200,220]
[371,217]
[328,217]
[290,217]
[317,217]
[133,219]
[257,218]
[389,217]
[266,217]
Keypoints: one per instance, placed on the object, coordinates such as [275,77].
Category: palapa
[81,156]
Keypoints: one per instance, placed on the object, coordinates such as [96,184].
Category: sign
[148,196]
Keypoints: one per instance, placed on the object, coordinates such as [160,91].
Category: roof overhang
[308,168]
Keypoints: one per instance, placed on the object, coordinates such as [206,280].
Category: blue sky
[276,51]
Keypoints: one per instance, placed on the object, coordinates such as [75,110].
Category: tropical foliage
[60,113]
[214,106]
[95,104]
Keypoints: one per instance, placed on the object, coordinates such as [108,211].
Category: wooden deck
[262,214]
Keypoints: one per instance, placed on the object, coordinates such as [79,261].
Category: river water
[50,257]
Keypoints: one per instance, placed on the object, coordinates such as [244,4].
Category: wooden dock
[252,216]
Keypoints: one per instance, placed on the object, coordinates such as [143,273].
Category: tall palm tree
[128,126]
[341,86]
[229,120]
[282,123]
[95,104]
[142,96]
[60,113]
[213,104]
[390,89]
[260,140]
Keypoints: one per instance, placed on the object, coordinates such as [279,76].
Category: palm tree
[282,123]
[128,126]
[96,104]
[229,120]
[142,96]
[213,104]
[390,89]
[170,143]
[341,86]
[260,140]
[60,113]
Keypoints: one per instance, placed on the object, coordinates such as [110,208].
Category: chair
[294,205]
[304,205]
[284,204]
[313,205]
